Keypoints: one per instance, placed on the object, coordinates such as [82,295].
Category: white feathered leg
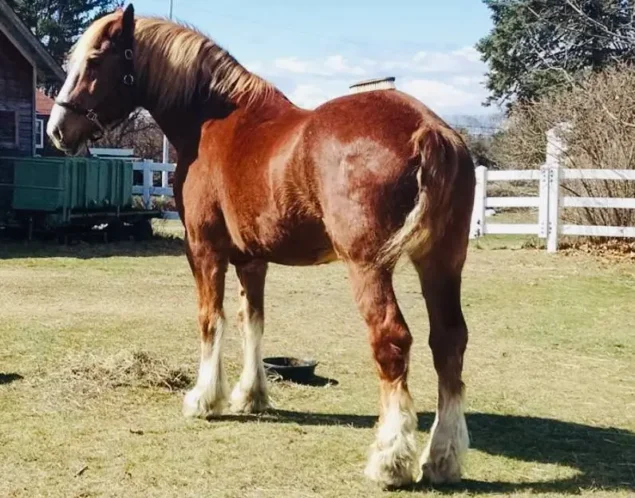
[209,395]
[442,459]
[394,453]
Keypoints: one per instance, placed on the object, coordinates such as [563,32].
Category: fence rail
[599,174]
[148,189]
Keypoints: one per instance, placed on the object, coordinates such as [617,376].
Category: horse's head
[99,90]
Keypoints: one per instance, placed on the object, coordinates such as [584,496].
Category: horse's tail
[441,151]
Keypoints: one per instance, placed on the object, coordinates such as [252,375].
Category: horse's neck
[182,127]
[177,126]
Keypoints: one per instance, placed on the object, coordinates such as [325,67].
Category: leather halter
[128,81]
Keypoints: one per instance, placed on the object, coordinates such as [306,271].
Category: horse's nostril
[57,134]
[57,137]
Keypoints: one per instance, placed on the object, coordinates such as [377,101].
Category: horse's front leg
[209,395]
[250,394]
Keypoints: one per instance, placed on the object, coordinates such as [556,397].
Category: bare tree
[598,137]
[139,132]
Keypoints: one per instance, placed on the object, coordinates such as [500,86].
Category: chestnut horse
[365,179]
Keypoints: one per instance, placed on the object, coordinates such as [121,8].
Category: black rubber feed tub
[293,369]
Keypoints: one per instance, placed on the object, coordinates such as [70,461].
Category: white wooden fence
[147,189]
[548,202]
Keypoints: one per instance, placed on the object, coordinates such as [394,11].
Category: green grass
[550,371]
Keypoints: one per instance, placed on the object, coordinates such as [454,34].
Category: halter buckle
[128,79]
[98,135]
[91,116]
[128,54]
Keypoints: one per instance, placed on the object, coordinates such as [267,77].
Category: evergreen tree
[59,23]
[537,45]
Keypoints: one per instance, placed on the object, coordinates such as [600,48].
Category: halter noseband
[128,80]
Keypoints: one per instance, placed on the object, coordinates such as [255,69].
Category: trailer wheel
[115,231]
[142,230]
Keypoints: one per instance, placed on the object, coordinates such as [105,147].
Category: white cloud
[469,53]
[330,66]
[309,96]
[463,60]
[338,65]
[449,82]
[443,97]
[293,65]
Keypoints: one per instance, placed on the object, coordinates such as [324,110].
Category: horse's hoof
[389,477]
[445,470]
[391,467]
[248,401]
[197,405]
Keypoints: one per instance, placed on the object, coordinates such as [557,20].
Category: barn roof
[29,45]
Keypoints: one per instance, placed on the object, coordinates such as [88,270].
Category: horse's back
[381,114]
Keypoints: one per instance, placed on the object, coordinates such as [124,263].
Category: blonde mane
[176,62]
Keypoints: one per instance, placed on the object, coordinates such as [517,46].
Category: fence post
[164,179]
[554,209]
[147,183]
[543,203]
[555,152]
[477,228]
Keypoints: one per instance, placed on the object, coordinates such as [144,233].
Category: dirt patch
[613,249]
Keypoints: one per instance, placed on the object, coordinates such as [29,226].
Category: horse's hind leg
[393,455]
[440,275]
[250,394]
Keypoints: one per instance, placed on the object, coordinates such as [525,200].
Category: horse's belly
[314,256]
[305,244]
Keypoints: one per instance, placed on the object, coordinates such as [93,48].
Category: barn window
[8,129]
[39,133]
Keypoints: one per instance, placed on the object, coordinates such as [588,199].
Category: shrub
[600,113]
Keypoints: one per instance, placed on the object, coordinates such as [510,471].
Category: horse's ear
[128,20]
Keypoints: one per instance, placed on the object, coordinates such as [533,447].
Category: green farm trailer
[70,194]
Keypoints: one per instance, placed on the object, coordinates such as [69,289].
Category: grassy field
[98,344]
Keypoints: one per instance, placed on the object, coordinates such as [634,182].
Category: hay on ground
[129,369]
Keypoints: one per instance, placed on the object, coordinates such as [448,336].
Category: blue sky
[315,50]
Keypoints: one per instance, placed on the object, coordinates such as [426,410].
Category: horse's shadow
[159,245]
[8,378]
[604,457]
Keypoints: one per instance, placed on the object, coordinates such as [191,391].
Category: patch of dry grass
[126,369]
